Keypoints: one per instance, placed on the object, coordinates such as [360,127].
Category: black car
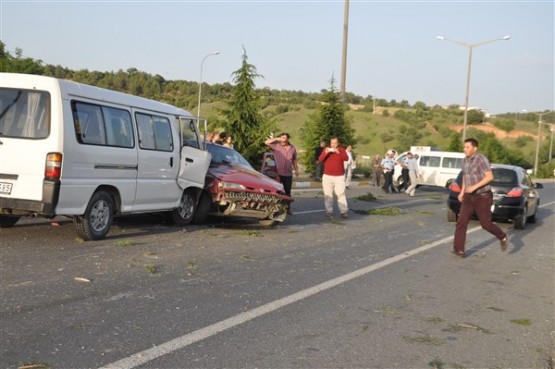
[515,196]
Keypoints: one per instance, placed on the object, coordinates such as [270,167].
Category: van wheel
[7,221]
[520,221]
[184,214]
[451,216]
[203,208]
[97,220]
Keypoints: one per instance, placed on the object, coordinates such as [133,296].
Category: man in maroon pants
[476,197]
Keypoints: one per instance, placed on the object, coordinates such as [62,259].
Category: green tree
[328,121]
[243,118]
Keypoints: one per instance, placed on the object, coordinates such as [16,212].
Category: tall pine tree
[243,118]
[328,121]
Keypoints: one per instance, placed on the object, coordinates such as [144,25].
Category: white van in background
[89,153]
[437,168]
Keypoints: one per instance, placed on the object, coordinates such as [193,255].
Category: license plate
[5,188]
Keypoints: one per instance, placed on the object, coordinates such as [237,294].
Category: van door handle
[189,160]
[171,162]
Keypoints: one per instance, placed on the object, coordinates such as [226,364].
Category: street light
[200,80]
[470,48]
[540,122]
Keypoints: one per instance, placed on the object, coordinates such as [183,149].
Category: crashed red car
[234,188]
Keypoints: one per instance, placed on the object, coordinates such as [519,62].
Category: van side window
[102,125]
[24,114]
[119,130]
[188,133]
[429,161]
[88,123]
[154,132]
[452,163]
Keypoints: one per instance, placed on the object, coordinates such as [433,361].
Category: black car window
[503,176]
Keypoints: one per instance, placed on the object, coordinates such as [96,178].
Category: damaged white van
[70,149]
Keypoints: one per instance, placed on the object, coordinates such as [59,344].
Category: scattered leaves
[125,243]
[385,211]
[475,327]
[367,197]
[151,269]
[521,321]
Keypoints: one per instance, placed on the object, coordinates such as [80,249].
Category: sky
[392,49]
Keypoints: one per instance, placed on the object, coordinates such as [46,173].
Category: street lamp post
[540,122]
[470,48]
[200,80]
[538,145]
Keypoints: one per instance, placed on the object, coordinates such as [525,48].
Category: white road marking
[178,343]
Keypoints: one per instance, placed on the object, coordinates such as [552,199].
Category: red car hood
[251,179]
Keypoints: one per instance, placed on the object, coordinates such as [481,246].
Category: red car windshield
[225,155]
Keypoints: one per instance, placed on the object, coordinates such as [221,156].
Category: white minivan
[89,153]
[437,168]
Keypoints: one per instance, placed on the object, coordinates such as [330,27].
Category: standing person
[412,165]
[404,173]
[377,170]
[333,179]
[348,166]
[318,167]
[285,155]
[228,141]
[388,166]
[475,197]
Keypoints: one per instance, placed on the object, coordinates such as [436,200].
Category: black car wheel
[520,221]
[451,216]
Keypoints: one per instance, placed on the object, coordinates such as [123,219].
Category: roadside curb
[316,184]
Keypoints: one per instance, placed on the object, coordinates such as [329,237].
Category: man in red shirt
[333,179]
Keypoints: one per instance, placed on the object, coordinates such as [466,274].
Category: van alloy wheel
[97,220]
[184,214]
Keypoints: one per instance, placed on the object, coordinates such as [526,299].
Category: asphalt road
[372,291]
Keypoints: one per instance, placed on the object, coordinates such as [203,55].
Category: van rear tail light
[515,192]
[53,167]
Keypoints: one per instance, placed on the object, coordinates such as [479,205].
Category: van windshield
[24,114]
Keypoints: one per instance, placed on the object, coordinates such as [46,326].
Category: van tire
[97,220]
[203,208]
[7,222]
[184,214]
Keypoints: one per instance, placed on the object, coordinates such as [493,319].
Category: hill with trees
[377,124]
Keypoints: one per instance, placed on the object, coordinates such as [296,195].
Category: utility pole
[344,55]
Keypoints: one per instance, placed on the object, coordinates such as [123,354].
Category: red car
[233,188]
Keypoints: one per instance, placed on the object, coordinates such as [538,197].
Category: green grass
[125,243]
[525,322]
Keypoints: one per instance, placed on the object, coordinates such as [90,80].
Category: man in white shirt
[412,165]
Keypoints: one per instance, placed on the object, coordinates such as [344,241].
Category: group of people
[410,172]
[333,160]
[334,165]
[221,138]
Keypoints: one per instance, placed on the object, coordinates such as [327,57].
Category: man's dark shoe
[504,243]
